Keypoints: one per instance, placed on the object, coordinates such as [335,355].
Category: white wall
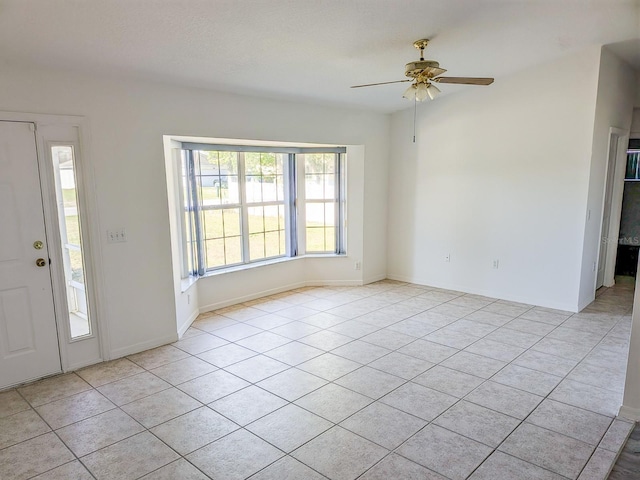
[128,120]
[631,400]
[497,172]
[617,83]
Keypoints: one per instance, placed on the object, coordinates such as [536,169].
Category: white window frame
[339,203]
[294,206]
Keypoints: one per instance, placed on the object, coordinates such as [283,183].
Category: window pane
[215,253]
[272,220]
[77,273]
[218,177]
[315,214]
[212,224]
[314,163]
[253,175]
[253,188]
[314,187]
[269,163]
[329,214]
[330,163]
[280,188]
[233,250]
[256,219]
[282,221]
[72,253]
[321,183]
[210,192]
[230,190]
[315,239]
[256,246]
[320,178]
[270,188]
[329,187]
[321,227]
[252,163]
[330,239]
[228,162]
[271,166]
[264,177]
[272,243]
[231,218]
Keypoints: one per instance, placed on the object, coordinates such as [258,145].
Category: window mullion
[197,209]
[300,200]
[244,208]
[290,221]
[185,213]
[337,187]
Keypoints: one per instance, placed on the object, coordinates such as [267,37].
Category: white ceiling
[309,50]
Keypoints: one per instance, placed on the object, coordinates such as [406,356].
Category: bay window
[245,204]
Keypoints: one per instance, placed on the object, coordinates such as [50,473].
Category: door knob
[38,245]
[41,262]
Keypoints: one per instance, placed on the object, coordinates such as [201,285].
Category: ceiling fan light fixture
[422,92]
[410,93]
[433,91]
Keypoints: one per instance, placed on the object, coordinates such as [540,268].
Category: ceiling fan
[424,73]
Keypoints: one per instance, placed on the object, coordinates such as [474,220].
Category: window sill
[187,282]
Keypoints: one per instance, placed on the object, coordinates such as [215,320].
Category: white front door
[28,334]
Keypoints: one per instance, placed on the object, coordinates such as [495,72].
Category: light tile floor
[385,381]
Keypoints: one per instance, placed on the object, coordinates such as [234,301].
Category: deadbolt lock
[41,262]
[38,245]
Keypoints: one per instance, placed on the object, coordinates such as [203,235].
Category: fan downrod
[421,45]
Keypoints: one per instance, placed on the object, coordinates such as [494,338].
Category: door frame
[619,164]
[87,204]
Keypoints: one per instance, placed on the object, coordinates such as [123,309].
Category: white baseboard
[629,413]
[272,291]
[251,296]
[185,326]
[142,346]
[374,278]
[332,283]
[486,293]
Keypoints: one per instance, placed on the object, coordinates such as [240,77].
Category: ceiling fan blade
[382,83]
[465,80]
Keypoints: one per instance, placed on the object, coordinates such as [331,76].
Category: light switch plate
[116,236]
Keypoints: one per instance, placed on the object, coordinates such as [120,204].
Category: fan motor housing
[424,68]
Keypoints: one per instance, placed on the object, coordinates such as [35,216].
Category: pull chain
[415,108]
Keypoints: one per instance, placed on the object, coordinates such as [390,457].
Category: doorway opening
[629,237]
[611,208]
